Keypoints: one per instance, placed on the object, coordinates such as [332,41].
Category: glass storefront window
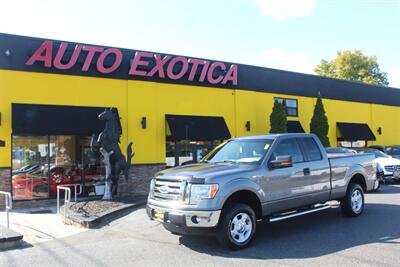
[186,152]
[41,163]
[351,144]
[30,165]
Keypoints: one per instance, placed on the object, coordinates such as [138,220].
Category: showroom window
[185,152]
[290,106]
[30,163]
[189,138]
[41,163]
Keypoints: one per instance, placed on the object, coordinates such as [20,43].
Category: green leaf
[353,66]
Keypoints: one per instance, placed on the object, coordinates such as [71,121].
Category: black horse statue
[109,140]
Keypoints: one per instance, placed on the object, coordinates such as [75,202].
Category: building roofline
[251,78]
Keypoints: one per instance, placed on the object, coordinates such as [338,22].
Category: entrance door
[93,171]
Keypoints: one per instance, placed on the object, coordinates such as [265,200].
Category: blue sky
[285,34]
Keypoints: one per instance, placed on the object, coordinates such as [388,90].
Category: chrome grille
[169,189]
[392,168]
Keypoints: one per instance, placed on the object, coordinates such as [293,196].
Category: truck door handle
[306,171]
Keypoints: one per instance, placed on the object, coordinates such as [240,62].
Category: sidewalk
[38,224]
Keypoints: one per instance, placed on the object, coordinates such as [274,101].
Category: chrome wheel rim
[356,201]
[241,227]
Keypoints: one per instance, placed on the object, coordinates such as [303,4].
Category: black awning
[294,127]
[30,119]
[2,143]
[197,128]
[355,132]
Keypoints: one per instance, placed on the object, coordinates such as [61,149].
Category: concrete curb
[103,218]
[10,239]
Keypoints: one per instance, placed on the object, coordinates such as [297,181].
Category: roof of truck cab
[271,136]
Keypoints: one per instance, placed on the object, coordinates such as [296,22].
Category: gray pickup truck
[267,177]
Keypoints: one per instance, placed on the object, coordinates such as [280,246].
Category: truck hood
[208,170]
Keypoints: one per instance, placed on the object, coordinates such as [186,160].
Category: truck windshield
[245,151]
[393,150]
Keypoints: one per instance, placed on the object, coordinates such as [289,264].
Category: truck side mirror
[281,162]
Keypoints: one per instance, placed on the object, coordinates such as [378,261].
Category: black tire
[229,213]
[354,210]
[377,189]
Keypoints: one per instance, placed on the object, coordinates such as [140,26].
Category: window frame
[286,107]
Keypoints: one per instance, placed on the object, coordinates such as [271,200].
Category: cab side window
[311,149]
[288,147]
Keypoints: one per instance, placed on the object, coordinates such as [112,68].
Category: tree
[319,122]
[354,66]
[277,119]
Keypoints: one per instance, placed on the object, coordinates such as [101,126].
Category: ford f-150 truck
[267,177]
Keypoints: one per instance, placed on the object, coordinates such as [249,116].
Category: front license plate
[159,216]
[396,174]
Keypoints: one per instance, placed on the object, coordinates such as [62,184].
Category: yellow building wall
[256,107]
[137,99]
[155,100]
[52,89]
[388,118]
[343,111]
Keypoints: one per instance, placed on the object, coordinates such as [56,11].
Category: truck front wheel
[237,226]
[353,203]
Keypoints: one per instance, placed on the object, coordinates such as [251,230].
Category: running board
[295,214]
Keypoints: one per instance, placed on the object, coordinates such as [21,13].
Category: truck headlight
[202,191]
[151,190]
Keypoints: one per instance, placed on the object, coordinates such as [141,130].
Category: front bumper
[184,218]
[390,177]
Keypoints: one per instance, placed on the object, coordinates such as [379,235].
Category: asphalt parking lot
[322,239]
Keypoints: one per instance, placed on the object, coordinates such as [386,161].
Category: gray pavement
[323,239]
[39,227]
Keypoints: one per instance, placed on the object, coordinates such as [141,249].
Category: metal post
[67,199]
[8,202]
[58,200]
[7,213]
[75,191]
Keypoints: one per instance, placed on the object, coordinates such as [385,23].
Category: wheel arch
[245,196]
[358,178]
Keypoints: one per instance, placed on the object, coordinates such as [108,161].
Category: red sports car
[36,185]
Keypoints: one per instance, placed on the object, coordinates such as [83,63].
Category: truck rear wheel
[237,226]
[353,203]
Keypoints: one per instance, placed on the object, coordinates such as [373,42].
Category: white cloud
[394,78]
[281,9]
[278,58]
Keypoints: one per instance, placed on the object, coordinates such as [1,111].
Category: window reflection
[41,163]
[30,167]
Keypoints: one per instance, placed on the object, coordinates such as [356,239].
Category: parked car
[387,167]
[393,151]
[26,169]
[339,151]
[271,177]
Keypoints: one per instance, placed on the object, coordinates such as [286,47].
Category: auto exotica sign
[166,66]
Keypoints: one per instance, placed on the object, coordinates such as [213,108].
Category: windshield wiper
[226,161]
